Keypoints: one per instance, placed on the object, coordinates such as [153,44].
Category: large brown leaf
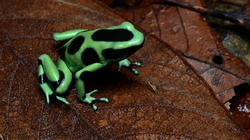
[184,108]
[189,32]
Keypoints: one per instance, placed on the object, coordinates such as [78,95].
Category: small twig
[1,137]
[154,88]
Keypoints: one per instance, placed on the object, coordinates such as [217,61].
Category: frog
[87,51]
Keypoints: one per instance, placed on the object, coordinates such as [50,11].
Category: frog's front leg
[53,80]
[128,64]
[80,77]
[67,34]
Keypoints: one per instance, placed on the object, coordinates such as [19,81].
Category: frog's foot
[89,99]
[128,64]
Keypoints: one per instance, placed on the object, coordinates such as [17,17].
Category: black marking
[53,96]
[89,56]
[55,85]
[61,52]
[98,99]
[84,96]
[84,75]
[75,44]
[114,54]
[40,62]
[42,79]
[112,35]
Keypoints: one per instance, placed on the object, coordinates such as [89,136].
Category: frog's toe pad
[94,107]
[135,71]
[136,64]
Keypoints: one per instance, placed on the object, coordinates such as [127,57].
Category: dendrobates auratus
[85,52]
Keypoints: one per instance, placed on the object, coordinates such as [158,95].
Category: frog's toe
[136,64]
[119,69]
[62,99]
[102,99]
[90,93]
[98,99]
[135,71]
[94,107]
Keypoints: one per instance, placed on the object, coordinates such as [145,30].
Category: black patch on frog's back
[112,35]
[75,44]
[89,56]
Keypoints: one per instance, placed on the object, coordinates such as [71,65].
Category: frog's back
[74,50]
[94,46]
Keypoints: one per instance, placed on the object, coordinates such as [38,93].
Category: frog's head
[124,40]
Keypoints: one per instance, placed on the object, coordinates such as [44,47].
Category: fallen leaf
[238,16]
[184,108]
[189,33]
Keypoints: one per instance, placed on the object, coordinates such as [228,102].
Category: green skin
[72,64]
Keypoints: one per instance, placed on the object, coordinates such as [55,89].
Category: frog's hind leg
[67,34]
[53,80]
[80,78]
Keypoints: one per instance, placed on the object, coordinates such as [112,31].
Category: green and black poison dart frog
[87,51]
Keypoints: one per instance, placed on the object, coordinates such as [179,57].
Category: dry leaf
[184,108]
[189,32]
